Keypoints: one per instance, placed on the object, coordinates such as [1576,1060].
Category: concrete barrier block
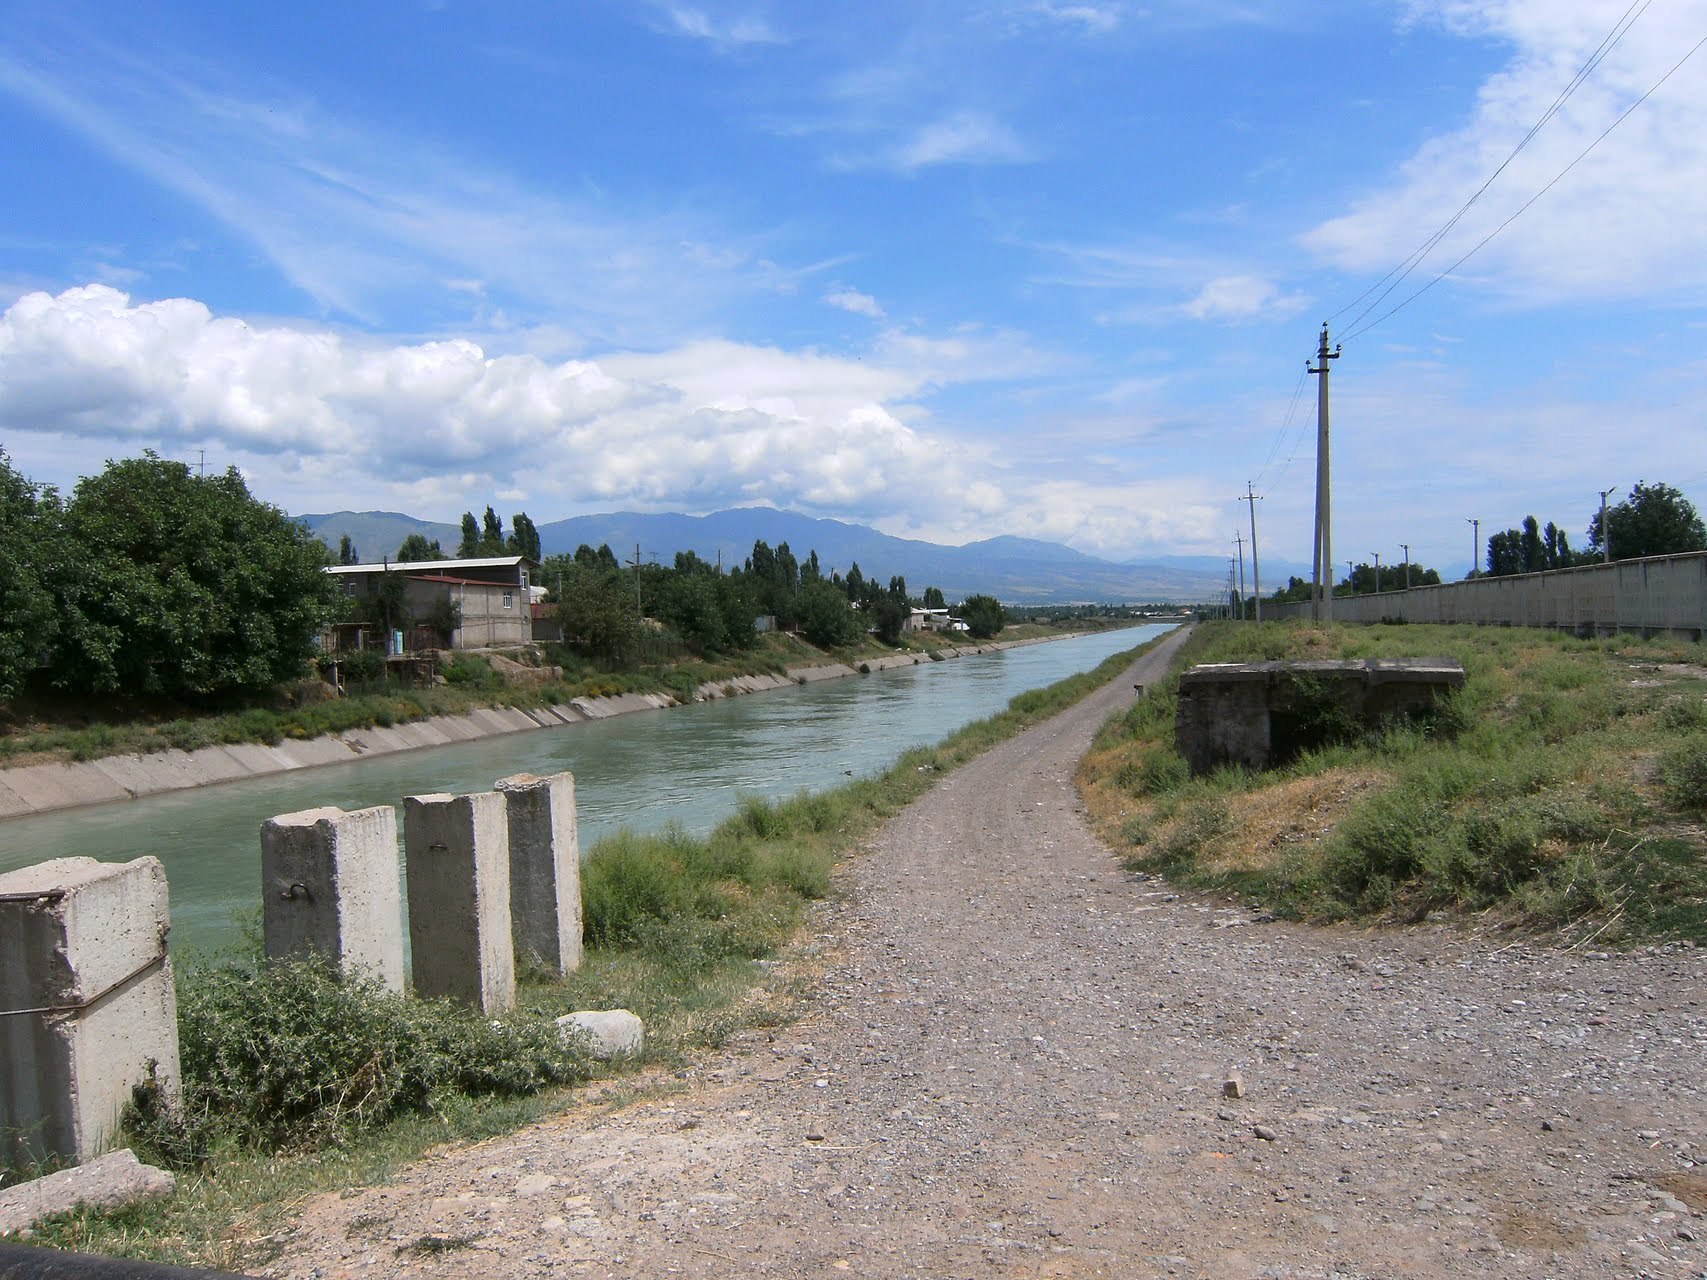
[330,883]
[89,1009]
[106,1182]
[545,869]
[605,1033]
[456,851]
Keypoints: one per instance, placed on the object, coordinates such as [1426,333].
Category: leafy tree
[1529,549]
[1655,520]
[347,553]
[889,618]
[983,616]
[826,617]
[524,538]
[811,570]
[898,589]
[691,604]
[491,535]
[29,548]
[934,598]
[600,617]
[416,548]
[854,584]
[185,586]
[469,547]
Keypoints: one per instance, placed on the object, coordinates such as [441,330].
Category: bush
[1683,774]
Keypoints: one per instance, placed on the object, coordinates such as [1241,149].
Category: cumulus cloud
[861,304]
[1241,298]
[1629,221]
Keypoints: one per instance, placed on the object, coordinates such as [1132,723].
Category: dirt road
[1016,1066]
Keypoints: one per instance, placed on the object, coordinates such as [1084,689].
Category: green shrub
[1683,773]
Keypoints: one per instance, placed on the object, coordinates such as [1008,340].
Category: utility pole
[1350,579]
[635,564]
[1475,543]
[1256,577]
[1240,539]
[1229,587]
[1377,556]
[1406,548]
[1324,558]
[1605,533]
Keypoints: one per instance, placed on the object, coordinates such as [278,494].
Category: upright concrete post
[330,884]
[456,851]
[545,869]
[87,1011]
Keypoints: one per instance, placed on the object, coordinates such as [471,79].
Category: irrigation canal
[687,765]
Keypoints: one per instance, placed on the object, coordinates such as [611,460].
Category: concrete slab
[318,751]
[207,765]
[261,758]
[62,786]
[422,733]
[458,728]
[144,775]
[12,805]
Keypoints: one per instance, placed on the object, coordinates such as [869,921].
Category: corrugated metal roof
[407,566]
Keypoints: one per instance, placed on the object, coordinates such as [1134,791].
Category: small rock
[606,1033]
[1233,1086]
[815,1134]
[1547,1126]
[535,1184]
[1265,1133]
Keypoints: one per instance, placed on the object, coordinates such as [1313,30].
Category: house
[929,620]
[481,603]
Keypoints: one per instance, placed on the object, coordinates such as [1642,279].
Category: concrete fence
[1659,594]
[87,1008]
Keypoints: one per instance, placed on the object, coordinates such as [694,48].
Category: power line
[1399,273]
[1628,111]
[1275,449]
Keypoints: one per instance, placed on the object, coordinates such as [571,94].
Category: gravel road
[1018,1063]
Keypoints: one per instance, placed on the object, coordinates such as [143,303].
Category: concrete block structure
[87,1010]
[1261,713]
[457,857]
[545,870]
[330,883]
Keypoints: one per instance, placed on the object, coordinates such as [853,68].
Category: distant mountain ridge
[1015,570]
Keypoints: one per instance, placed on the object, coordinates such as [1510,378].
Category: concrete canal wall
[43,788]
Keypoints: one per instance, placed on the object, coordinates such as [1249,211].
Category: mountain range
[1014,570]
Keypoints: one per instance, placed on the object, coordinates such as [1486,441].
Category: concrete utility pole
[1240,539]
[1256,577]
[1475,543]
[1605,533]
[1377,556]
[635,563]
[1350,579]
[1324,559]
[1406,548]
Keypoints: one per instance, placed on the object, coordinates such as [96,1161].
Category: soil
[1021,1060]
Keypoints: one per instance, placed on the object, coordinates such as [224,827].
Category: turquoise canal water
[687,765]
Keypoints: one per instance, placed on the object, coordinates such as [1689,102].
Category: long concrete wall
[43,788]
[1654,595]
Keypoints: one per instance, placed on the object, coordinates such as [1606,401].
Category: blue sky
[955,270]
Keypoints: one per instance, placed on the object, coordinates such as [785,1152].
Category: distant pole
[1605,533]
[1377,556]
[1324,558]
[1406,548]
[1475,543]
[1350,579]
[636,563]
[1240,539]
[1256,577]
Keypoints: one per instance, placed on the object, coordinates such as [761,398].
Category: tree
[826,617]
[185,586]
[934,598]
[416,548]
[491,535]
[1655,520]
[597,608]
[29,542]
[983,616]
[469,547]
[889,619]
[347,553]
[524,538]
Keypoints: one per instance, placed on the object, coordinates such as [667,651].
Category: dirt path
[1015,1067]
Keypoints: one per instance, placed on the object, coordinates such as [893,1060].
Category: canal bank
[30,790]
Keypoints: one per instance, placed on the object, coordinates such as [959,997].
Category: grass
[297,1082]
[1563,788]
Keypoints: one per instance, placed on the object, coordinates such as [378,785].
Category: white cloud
[1241,298]
[1096,19]
[1629,221]
[719,30]
[861,304]
[963,137]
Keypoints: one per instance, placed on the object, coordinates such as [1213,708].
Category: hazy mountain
[1017,570]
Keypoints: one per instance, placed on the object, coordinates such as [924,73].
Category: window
[509,599]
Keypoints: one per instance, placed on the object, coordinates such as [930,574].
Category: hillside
[1016,570]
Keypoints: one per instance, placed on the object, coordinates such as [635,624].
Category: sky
[1045,268]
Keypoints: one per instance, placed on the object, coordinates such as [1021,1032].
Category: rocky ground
[1023,1061]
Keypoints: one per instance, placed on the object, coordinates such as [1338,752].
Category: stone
[106,1182]
[1265,1133]
[1233,1086]
[545,870]
[456,849]
[90,1014]
[606,1033]
[331,884]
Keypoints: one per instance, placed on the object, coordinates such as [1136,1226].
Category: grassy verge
[1563,789]
[296,1082]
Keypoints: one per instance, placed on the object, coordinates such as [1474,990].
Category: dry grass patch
[1288,817]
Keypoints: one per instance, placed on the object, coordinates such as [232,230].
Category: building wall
[1657,594]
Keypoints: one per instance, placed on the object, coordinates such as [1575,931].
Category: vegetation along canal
[687,765]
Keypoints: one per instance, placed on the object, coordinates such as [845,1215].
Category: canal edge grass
[703,938]
[29,790]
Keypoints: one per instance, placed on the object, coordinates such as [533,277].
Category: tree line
[1654,520]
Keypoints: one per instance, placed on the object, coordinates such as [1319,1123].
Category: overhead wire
[1274,449]
[1522,209]
[1394,278]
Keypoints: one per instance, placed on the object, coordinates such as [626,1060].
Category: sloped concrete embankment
[44,788]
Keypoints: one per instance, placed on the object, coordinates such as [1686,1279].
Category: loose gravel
[1021,1060]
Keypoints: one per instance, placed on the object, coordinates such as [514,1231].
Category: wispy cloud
[725,31]
[861,304]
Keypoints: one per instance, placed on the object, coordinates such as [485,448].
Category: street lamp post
[1605,533]
[1377,556]
[1475,543]
[1406,548]
[1350,579]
